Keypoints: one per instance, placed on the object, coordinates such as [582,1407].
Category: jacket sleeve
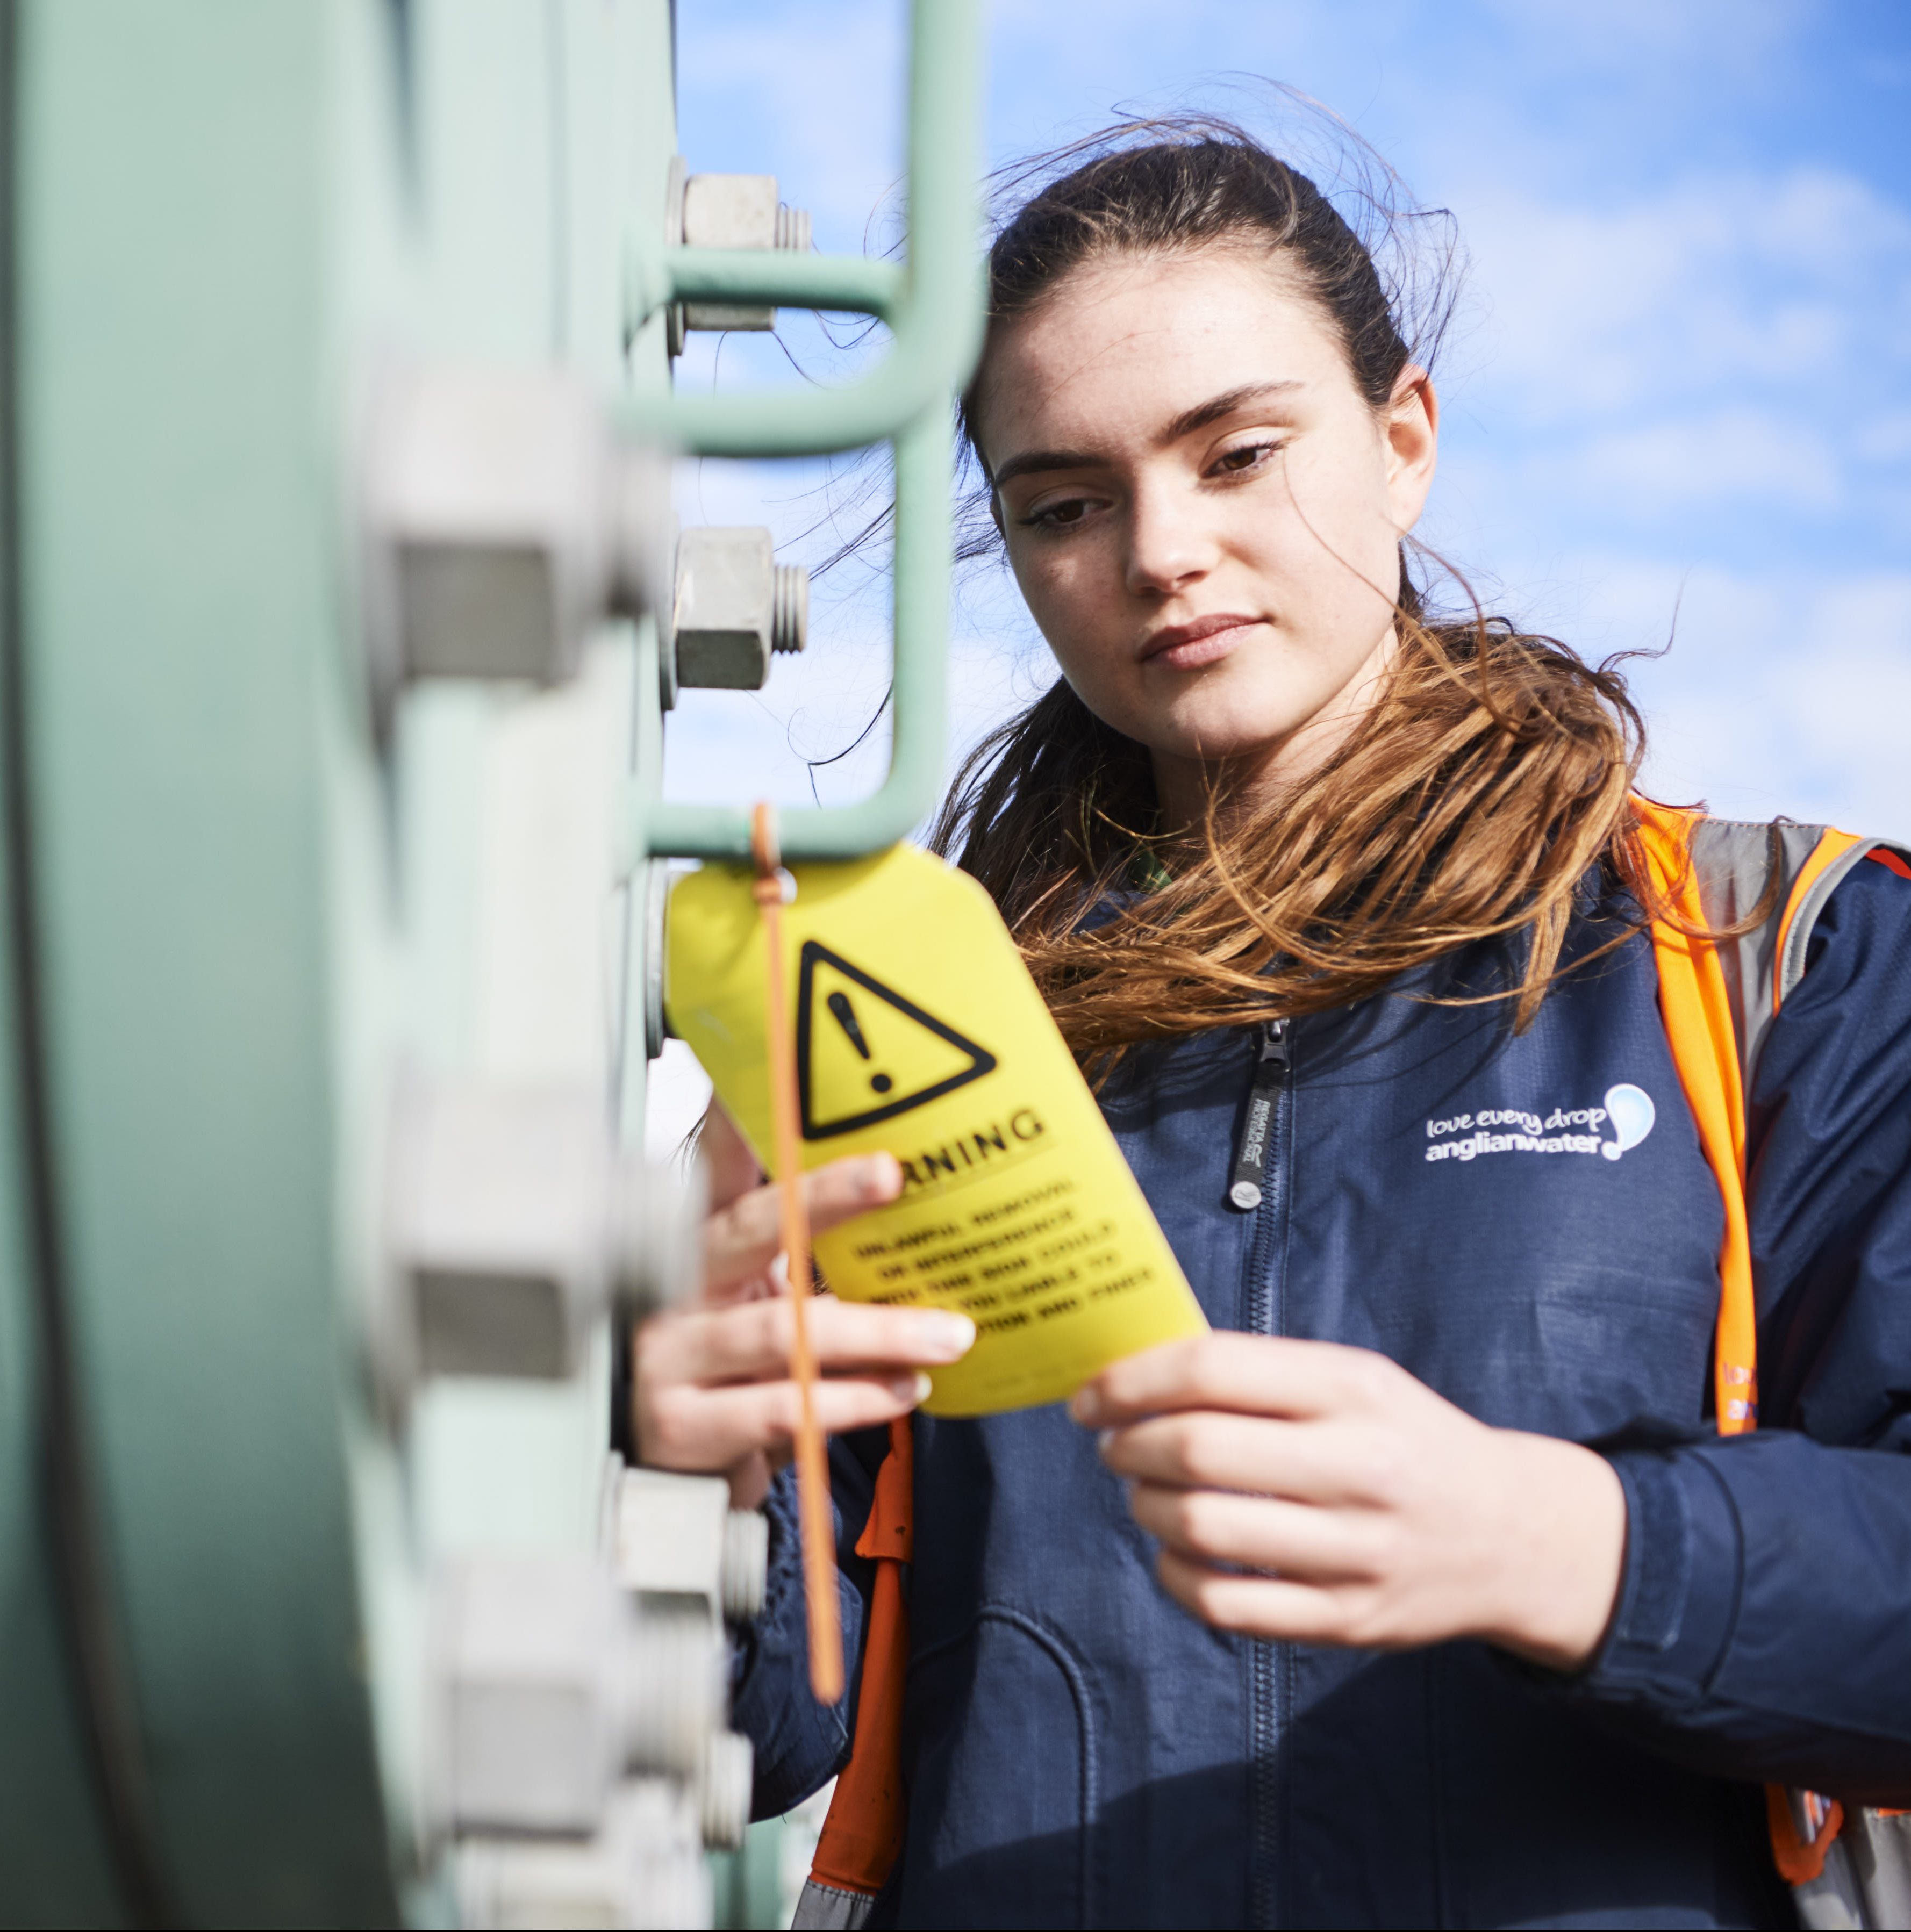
[800,1744]
[1763,1628]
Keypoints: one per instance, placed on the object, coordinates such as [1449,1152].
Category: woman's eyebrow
[1042,459]
[1186,423]
[1225,404]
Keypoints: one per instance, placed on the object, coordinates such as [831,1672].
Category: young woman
[1425,1590]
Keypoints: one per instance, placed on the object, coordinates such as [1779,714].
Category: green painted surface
[231,213]
[179,600]
[54,1869]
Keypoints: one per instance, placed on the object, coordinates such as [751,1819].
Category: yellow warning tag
[918,1030]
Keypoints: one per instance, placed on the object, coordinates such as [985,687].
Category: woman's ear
[1412,430]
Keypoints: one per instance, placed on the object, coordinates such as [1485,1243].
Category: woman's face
[1202,510]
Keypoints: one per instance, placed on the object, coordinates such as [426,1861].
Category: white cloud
[1727,457]
[1710,284]
[1781,691]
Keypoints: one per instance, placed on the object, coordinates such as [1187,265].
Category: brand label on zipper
[1270,1072]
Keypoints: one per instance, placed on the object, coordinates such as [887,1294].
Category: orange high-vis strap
[1800,1859]
[862,1837]
[1698,1025]
[1831,845]
[1697,1013]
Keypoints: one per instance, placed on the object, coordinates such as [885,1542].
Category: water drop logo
[1630,1110]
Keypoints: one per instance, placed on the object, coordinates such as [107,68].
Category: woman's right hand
[710,1385]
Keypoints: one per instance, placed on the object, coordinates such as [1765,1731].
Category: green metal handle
[752,278]
[933,306]
[909,794]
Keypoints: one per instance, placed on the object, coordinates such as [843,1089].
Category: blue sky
[1680,380]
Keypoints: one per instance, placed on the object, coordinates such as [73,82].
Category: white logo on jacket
[1628,1111]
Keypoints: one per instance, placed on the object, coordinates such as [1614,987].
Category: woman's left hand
[1368,1510]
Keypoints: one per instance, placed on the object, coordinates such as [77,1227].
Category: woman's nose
[1170,544]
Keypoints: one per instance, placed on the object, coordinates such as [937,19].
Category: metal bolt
[734,605]
[550,1686]
[789,611]
[745,1565]
[675,1540]
[727,211]
[645,1868]
[728,1771]
[500,521]
[515,1224]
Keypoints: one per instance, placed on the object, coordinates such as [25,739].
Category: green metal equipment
[337,628]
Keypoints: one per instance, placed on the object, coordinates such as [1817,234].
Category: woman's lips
[1190,646]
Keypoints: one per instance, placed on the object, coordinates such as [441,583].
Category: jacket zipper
[1257,1185]
[1248,1181]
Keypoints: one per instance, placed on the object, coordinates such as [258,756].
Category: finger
[1263,1606]
[722,1148]
[741,1240]
[751,1342]
[705,1429]
[1315,1463]
[1211,1526]
[1257,1375]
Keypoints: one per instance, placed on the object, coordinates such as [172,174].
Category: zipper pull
[1270,1072]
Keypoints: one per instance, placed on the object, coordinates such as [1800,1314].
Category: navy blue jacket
[1079,1751]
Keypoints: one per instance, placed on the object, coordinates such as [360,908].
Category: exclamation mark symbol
[844,1014]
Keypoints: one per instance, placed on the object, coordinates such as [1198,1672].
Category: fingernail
[1103,1438]
[949,1335]
[878,1176]
[913,1389]
[1086,1404]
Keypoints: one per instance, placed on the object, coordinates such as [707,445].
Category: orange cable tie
[814,1512]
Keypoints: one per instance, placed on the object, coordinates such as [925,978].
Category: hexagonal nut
[670,1530]
[503,1230]
[548,1686]
[734,605]
[732,211]
[527,1657]
[499,521]
[645,1868]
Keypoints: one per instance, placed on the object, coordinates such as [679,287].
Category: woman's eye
[1058,516]
[1250,456]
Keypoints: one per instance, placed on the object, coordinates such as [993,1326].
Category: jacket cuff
[1678,1599]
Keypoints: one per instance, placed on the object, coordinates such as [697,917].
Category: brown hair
[1493,772]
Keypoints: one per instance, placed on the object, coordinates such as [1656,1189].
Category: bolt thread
[789,608]
[673,1695]
[746,1568]
[727,1772]
[792,228]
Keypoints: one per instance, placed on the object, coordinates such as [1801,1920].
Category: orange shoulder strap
[1697,1012]
[1831,846]
[862,1837]
[1698,1018]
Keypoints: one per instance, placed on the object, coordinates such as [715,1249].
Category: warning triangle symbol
[865,1054]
